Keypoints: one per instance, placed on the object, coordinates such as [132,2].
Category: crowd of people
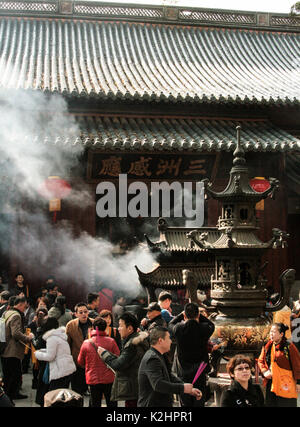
[139,354]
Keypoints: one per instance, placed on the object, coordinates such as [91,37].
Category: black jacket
[192,348]
[125,386]
[156,382]
[156,321]
[191,339]
[237,397]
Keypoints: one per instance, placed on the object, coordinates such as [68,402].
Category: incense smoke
[36,141]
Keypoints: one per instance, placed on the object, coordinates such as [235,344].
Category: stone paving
[30,401]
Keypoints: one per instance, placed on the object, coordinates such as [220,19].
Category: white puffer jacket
[57,353]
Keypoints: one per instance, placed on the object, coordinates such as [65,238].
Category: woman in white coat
[58,354]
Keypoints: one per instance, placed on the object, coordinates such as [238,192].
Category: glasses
[245,368]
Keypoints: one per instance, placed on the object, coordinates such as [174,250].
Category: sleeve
[50,354]
[155,374]
[17,331]
[209,326]
[69,335]
[175,379]
[263,367]
[295,361]
[82,356]
[174,323]
[122,362]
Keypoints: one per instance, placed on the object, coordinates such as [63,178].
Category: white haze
[33,146]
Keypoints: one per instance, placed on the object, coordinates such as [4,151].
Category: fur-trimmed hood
[137,338]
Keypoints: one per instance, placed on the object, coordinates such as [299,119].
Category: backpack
[3,333]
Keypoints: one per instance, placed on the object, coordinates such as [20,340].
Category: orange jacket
[287,357]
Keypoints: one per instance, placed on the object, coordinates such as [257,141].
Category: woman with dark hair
[60,312]
[58,354]
[98,376]
[35,327]
[242,393]
[39,343]
[110,331]
[279,363]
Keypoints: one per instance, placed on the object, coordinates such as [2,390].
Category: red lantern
[54,189]
[260,184]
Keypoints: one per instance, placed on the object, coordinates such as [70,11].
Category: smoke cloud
[37,136]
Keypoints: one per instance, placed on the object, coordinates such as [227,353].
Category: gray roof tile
[138,61]
[180,133]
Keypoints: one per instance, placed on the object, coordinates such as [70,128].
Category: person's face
[42,304]
[152,314]
[242,372]
[82,313]
[107,319]
[203,312]
[95,303]
[275,335]
[124,330]
[165,343]
[20,279]
[21,306]
[166,304]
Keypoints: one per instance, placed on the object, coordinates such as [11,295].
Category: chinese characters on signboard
[150,167]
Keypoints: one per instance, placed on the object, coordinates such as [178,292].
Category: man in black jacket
[156,382]
[191,331]
[154,317]
[126,365]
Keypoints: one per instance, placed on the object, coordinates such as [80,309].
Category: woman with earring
[279,363]
[242,393]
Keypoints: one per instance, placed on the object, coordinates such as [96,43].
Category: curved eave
[171,277]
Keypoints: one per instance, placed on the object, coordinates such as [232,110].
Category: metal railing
[149,13]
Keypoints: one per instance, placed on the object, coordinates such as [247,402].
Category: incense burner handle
[286,280]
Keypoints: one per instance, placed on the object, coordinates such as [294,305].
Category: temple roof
[116,60]
[174,239]
[170,277]
[173,133]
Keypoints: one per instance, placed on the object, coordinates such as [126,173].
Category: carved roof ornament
[239,186]
[237,224]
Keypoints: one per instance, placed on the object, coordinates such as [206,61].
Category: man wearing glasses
[77,331]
